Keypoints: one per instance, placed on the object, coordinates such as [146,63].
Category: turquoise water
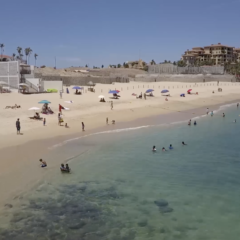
[120,190]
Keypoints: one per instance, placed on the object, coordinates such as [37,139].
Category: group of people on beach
[164,149]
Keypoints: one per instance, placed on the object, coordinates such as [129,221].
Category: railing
[31,85]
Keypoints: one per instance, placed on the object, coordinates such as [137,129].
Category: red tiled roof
[5,56]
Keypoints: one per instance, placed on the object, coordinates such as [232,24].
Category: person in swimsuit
[67,168]
[195,123]
[223,114]
[44,164]
[62,168]
[163,149]
[183,143]
[170,147]
[154,149]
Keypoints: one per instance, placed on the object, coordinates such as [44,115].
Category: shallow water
[120,189]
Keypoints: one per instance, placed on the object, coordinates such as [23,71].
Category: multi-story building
[216,53]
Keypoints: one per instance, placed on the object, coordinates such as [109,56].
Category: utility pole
[55,63]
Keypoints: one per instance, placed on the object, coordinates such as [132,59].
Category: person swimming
[183,143]
[170,147]
[154,149]
[163,149]
[195,123]
[67,168]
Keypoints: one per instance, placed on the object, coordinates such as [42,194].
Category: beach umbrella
[91,84]
[33,108]
[3,83]
[101,96]
[77,87]
[113,92]
[44,101]
[164,91]
[182,95]
[149,90]
[118,91]
[189,90]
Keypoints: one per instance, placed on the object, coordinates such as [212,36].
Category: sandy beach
[20,153]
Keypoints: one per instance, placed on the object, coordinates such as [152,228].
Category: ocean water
[120,190]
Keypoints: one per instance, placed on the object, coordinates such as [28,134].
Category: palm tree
[27,51]
[19,50]
[35,56]
[14,55]
[2,49]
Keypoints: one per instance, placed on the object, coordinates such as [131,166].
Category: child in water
[163,149]
[154,149]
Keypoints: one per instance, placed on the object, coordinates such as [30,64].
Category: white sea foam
[98,133]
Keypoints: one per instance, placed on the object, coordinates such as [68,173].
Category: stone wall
[184,78]
[172,69]
[82,81]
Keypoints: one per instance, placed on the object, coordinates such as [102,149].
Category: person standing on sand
[60,92]
[106,120]
[83,126]
[145,96]
[111,105]
[18,126]
[44,121]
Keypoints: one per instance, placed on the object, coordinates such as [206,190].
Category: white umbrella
[33,108]
[3,83]
[23,84]
[101,96]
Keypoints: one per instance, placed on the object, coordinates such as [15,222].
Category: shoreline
[21,174]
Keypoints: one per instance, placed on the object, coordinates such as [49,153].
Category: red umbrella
[117,91]
[189,90]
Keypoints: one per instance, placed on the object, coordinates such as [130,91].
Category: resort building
[216,53]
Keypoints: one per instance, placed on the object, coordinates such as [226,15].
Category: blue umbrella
[44,101]
[149,90]
[164,91]
[77,87]
[113,92]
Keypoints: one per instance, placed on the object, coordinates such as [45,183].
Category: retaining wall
[184,78]
[172,69]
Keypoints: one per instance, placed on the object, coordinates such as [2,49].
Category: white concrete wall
[9,73]
[52,85]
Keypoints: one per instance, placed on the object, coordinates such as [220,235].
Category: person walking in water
[83,126]
[195,123]
[18,126]
[237,105]
[223,114]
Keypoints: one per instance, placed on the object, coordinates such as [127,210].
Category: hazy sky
[107,32]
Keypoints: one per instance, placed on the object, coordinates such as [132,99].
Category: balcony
[25,70]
